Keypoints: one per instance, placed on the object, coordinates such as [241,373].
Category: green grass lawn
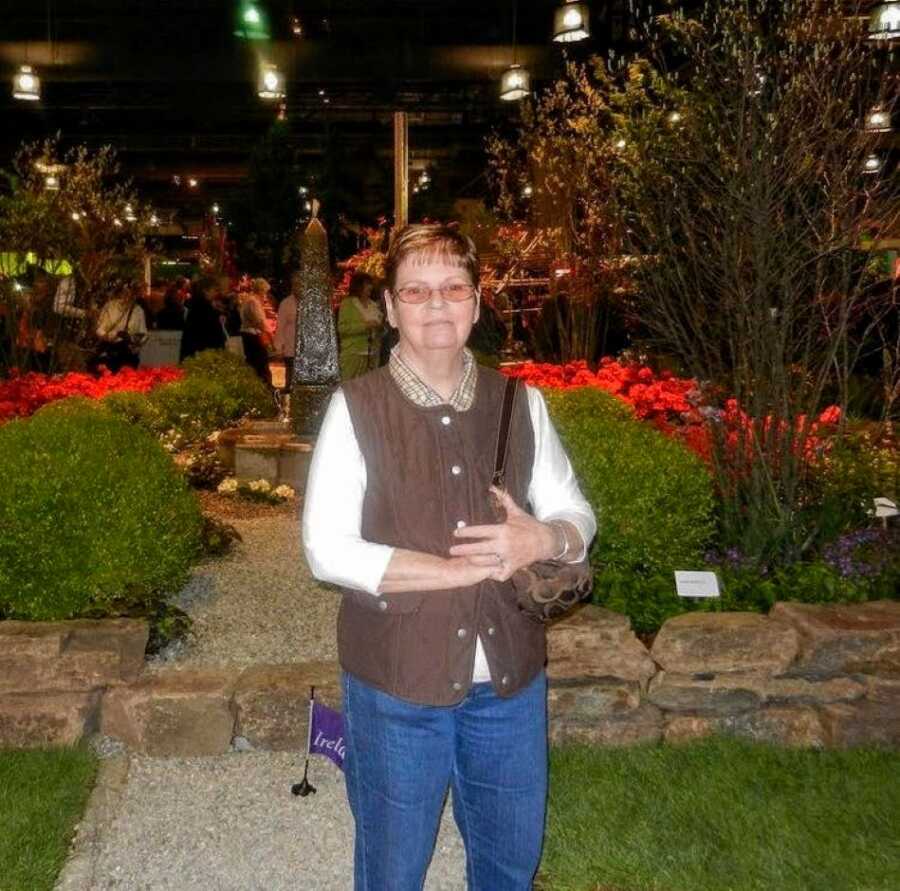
[722,815]
[42,797]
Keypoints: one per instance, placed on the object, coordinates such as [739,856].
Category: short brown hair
[431,240]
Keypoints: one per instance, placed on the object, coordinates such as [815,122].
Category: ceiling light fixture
[26,84]
[878,121]
[571,22]
[270,84]
[515,82]
[884,22]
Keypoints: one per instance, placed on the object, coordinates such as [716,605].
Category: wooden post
[401,169]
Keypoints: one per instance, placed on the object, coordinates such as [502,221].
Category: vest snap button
[456,470]
[382,604]
[491,631]
[460,524]
[457,685]
[446,420]
[461,632]
[504,680]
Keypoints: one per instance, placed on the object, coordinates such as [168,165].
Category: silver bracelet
[557,524]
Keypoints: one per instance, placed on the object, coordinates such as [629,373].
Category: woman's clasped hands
[500,549]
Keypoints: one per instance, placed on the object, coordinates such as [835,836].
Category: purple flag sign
[326,733]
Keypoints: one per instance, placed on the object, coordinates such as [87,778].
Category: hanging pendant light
[51,182]
[878,121]
[873,163]
[26,84]
[884,22]
[515,83]
[571,22]
[270,83]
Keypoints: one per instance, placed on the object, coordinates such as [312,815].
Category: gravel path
[259,603]
[231,824]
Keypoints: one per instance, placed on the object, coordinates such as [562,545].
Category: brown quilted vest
[427,469]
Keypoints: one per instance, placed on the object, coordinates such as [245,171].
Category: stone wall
[814,676]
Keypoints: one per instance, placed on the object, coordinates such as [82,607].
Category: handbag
[546,589]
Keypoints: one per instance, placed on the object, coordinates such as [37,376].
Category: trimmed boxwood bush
[218,388]
[94,518]
[136,408]
[652,497]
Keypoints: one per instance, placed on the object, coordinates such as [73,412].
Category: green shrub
[238,379]
[653,499]
[94,518]
[137,408]
[859,468]
[218,388]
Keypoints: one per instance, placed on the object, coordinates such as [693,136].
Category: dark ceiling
[174,90]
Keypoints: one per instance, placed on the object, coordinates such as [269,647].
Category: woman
[121,330]
[254,335]
[203,322]
[443,676]
[359,327]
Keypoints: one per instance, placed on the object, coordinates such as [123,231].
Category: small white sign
[696,584]
[884,507]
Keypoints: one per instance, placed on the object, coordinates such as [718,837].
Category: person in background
[34,335]
[203,323]
[263,291]
[121,329]
[254,334]
[286,333]
[359,328]
[389,334]
[171,316]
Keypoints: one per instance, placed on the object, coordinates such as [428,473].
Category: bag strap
[509,397]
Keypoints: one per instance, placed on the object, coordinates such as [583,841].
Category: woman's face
[437,325]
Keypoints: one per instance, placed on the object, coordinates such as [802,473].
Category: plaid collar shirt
[417,391]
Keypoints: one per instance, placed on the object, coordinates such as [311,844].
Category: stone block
[735,692]
[31,640]
[684,693]
[883,690]
[845,638]
[173,713]
[640,725]
[293,463]
[696,643]
[585,699]
[862,724]
[596,642]
[127,638]
[82,654]
[796,727]
[256,462]
[272,702]
[688,728]
[31,720]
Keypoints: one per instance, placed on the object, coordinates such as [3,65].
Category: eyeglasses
[454,292]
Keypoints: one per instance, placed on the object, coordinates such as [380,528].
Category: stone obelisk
[316,359]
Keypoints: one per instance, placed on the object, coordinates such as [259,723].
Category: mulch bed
[231,507]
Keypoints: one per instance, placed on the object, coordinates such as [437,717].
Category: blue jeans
[402,757]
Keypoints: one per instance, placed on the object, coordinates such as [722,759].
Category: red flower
[23,394]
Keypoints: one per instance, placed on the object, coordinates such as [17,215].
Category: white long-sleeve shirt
[286,332]
[332,512]
[118,316]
